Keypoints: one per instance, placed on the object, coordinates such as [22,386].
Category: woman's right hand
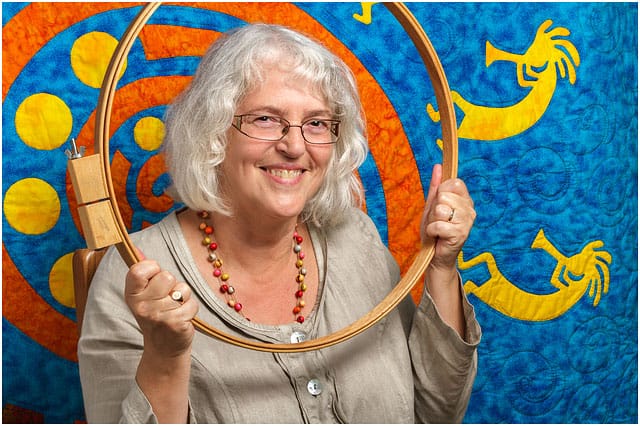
[164,369]
[165,323]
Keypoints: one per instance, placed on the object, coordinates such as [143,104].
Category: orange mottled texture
[37,319]
[168,41]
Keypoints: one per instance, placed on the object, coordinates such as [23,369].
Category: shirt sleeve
[444,365]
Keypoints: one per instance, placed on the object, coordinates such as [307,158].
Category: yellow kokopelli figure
[365,17]
[572,277]
[536,69]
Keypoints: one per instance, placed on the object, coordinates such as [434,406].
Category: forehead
[281,89]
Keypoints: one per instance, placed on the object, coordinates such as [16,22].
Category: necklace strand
[223,278]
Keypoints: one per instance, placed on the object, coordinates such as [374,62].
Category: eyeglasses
[316,131]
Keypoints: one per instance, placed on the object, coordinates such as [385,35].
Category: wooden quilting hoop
[422,259]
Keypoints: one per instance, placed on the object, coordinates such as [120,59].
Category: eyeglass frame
[237,124]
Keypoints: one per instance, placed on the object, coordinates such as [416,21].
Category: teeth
[286,174]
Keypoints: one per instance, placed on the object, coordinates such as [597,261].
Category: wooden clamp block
[87,179]
[98,224]
[94,205]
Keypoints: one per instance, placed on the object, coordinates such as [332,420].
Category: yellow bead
[301,303]
[300,278]
[206,241]
[299,263]
[303,287]
[217,263]
[224,277]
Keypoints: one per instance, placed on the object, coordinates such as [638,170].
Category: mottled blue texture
[573,174]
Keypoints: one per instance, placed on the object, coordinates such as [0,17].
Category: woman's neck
[250,243]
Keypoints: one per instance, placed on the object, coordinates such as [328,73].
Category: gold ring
[453,211]
[177,296]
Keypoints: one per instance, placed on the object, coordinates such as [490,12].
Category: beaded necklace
[223,278]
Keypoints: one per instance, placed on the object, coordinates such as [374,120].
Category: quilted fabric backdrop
[546,103]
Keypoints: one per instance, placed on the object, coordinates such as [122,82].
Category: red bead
[300,319]
[301,255]
[298,239]
[237,307]
[217,272]
[299,293]
[213,246]
[224,288]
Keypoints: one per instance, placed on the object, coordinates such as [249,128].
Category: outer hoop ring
[416,270]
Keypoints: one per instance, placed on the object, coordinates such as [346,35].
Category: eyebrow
[270,110]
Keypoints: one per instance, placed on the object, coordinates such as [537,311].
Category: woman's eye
[265,120]
[318,123]
[317,126]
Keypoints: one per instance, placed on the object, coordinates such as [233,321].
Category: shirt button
[314,387]
[298,336]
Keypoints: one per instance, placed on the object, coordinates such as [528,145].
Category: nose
[292,144]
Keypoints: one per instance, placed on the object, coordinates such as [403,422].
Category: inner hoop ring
[449,170]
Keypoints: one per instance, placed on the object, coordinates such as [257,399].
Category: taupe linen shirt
[410,367]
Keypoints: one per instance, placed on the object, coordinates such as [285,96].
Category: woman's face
[276,179]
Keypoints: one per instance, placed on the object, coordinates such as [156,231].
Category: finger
[186,308]
[445,213]
[139,275]
[180,293]
[457,188]
[436,180]
[450,238]
[160,285]
[141,255]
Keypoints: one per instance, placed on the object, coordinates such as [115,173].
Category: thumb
[140,254]
[436,179]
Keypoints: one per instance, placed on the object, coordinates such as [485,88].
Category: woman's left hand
[448,217]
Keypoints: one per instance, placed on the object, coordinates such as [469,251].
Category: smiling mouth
[284,173]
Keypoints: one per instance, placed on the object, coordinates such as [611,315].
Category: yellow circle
[61,281]
[31,206]
[148,133]
[90,57]
[43,121]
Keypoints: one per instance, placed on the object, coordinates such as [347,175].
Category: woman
[262,149]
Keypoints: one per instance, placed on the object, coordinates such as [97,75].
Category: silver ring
[177,296]
[453,211]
